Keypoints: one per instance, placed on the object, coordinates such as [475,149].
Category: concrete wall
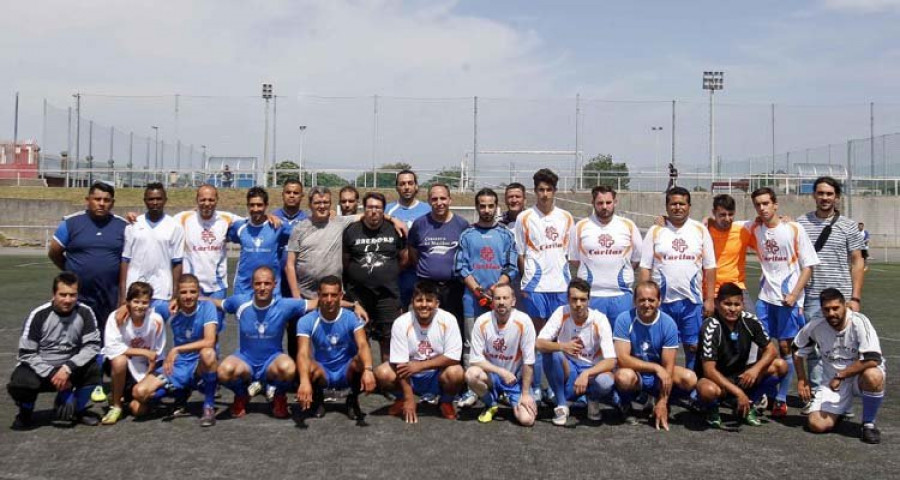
[42,216]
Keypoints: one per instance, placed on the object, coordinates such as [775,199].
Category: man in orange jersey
[730,241]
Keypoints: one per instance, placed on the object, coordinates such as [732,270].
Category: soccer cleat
[626,413]
[112,416]
[870,434]
[254,389]
[536,395]
[270,393]
[280,406]
[317,409]
[761,404]
[593,411]
[209,417]
[239,407]
[806,409]
[354,412]
[98,395]
[548,397]
[560,416]
[65,406]
[23,420]
[780,410]
[396,408]
[713,419]
[448,411]
[487,415]
[429,398]
[87,418]
[752,419]
[467,399]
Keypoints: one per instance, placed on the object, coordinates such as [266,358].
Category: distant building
[23,164]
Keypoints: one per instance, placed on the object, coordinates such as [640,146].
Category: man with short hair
[57,352]
[348,200]
[646,342]
[542,237]
[502,358]
[259,240]
[605,248]
[737,360]
[407,209]
[730,241]
[373,254]
[514,198]
[851,360]
[425,350]
[679,257]
[332,352]
[579,356]
[786,257]
[191,358]
[290,215]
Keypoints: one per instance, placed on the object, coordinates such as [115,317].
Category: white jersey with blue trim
[543,240]
[508,347]
[677,257]
[151,249]
[604,249]
[783,251]
[205,255]
[410,341]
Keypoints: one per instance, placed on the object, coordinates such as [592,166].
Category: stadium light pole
[712,81]
[656,173]
[155,147]
[204,156]
[266,95]
[300,153]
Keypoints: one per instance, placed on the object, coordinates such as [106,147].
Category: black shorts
[130,382]
[382,308]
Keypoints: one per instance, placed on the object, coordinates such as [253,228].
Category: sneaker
[65,406]
[536,395]
[112,416]
[780,410]
[179,410]
[487,415]
[448,411]
[752,419]
[548,397]
[209,417]
[593,411]
[254,389]
[713,419]
[870,434]
[466,400]
[23,420]
[761,404]
[354,412]
[239,407]
[396,408]
[280,406]
[806,409]
[317,409]
[86,418]
[270,393]
[560,416]
[98,395]
[626,413]
[429,398]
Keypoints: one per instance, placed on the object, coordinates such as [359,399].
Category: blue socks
[238,386]
[553,366]
[766,387]
[209,389]
[871,402]
[538,370]
[785,385]
[690,358]
[82,397]
[280,386]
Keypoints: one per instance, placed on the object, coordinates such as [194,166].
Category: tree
[288,171]
[448,176]
[602,170]
[384,179]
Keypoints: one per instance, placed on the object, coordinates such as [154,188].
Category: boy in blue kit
[260,242]
[332,352]
[193,355]
[646,342]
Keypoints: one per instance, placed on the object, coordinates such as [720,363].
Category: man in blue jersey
[290,215]
[646,342]
[259,241]
[191,358]
[333,352]
[407,209]
[486,258]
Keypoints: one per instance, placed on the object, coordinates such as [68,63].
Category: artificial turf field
[260,446]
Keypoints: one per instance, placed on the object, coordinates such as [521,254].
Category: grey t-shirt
[318,246]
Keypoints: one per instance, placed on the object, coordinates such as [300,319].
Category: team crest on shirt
[188,333]
[499,344]
[679,245]
[425,349]
[261,329]
[208,236]
[137,343]
[332,340]
[645,346]
[605,240]
[487,254]
[551,233]
[772,246]
[257,242]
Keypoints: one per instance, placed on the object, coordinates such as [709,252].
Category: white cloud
[863,6]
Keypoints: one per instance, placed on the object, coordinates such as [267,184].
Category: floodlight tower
[712,81]
[267,96]
[300,153]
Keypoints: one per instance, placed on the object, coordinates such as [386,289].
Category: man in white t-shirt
[680,258]
[154,249]
[426,348]
[606,249]
[502,358]
[579,356]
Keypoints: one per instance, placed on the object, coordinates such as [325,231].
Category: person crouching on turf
[340,356]
[191,358]
[737,359]
[646,341]
[57,353]
[132,346]
[579,356]
[426,347]
[502,358]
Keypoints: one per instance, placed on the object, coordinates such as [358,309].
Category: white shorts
[836,402]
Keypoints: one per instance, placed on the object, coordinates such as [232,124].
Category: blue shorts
[688,316]
[781,322]
[612,307]
[184,373]
[258,370]
[218,295]
[337,379]
[427,382]
[513,392]
[161,307]
[542,304]
[650,384]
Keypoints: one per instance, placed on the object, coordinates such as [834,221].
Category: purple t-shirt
[436,244]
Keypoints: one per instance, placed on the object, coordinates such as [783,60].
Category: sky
[821,62]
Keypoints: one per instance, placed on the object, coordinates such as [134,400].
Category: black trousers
[450,294]
[24,385]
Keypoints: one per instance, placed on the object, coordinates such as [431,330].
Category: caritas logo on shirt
[552,235]
[499,344]
[208,236]
[425,348]
[487,254]
[679,245]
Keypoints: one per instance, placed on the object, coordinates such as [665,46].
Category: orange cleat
[779,410]
[448,411]
[280,406]
[239,407]
[396,408]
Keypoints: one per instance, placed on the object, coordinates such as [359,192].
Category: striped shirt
[834,269]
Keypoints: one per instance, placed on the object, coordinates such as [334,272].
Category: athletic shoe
[429,398]
[354,412]
[280,406]
[713,419]
[396,408]
[209,417]
[87,418]
[806,409]
[239,407]
[848,414]
[254,389]
[112,416]
[487,415]
[593,411]
[448,411]
[98,395]
[751,418]
[270,393]
[23,420]
[65,406]
[536,395]
[548,397]
[466,400]
[870,434]
[761,404]
[780,410]
[560,416]
[317,409]
[626,413]
[179,410]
